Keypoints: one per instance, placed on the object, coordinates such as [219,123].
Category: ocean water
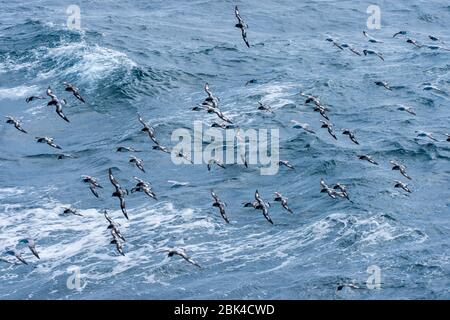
[153,58]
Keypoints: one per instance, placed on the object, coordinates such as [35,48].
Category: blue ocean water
[153,58]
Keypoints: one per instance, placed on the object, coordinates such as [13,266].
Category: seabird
[117,242]
[279,198]
[407,109]
[221,205]
[93,184]
[371,39]
[211,162]
[57,103]
[115,232]
[434,38]
[325,188]
[329,127]
[424,134]
[343,191]
[383,84]
[286,163]
[304,126]
[310,98]
[221,125]
[29,99]
[351,135]
[149,129]
[263,206]
[414,42]
[72,211]
[161,148]
[31,245]
[211,97]
[219,114]
[138,162]
[119,193]
[378,54]
[322,110]
[16,254]
[74,90]
[241,25]
[429,87]
[16,123]
[334,43]
[49,141]
[180,154]
[448,136]
[143,186]
[251,82]
[110,220]
[126,149]
[263,107]
[50,93]
[404,186]
[400,167]
[345,45]
[181,253]
[399,33]
[367,158]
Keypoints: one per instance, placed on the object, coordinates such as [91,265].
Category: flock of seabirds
[211,106]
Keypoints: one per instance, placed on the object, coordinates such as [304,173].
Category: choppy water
[153,58]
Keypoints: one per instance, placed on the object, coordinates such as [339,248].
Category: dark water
[153,58]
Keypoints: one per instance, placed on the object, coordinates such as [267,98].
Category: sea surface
[153,58]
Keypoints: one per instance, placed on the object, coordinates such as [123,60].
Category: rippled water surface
[153,58]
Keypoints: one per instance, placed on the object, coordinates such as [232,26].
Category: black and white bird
[383,84]
[117,242]
[351,135]
[31,245]
[403,33]
[75,91]
[399,167]
[286,163]
[138,162]
[93,184]
[342,191]
[126,149]
[322,110]
[182,253]
[408,109]
[241,25]
[448,136]
[310,98]
[351,48]
[58,107]
[260,205]
[17,255]
[216,162]
[49,141]
[326,189]
[423,134]
[263,107]
[16,123]
[414,42]
[161,148]
[367,158]
[119,193]
[221,205]
[329,127]
[149,129]
[143,186]
[304,126]
[404,186]
[283,200]
[372,52]
[371,39]
[334,42]
[72,211]
[32,98]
